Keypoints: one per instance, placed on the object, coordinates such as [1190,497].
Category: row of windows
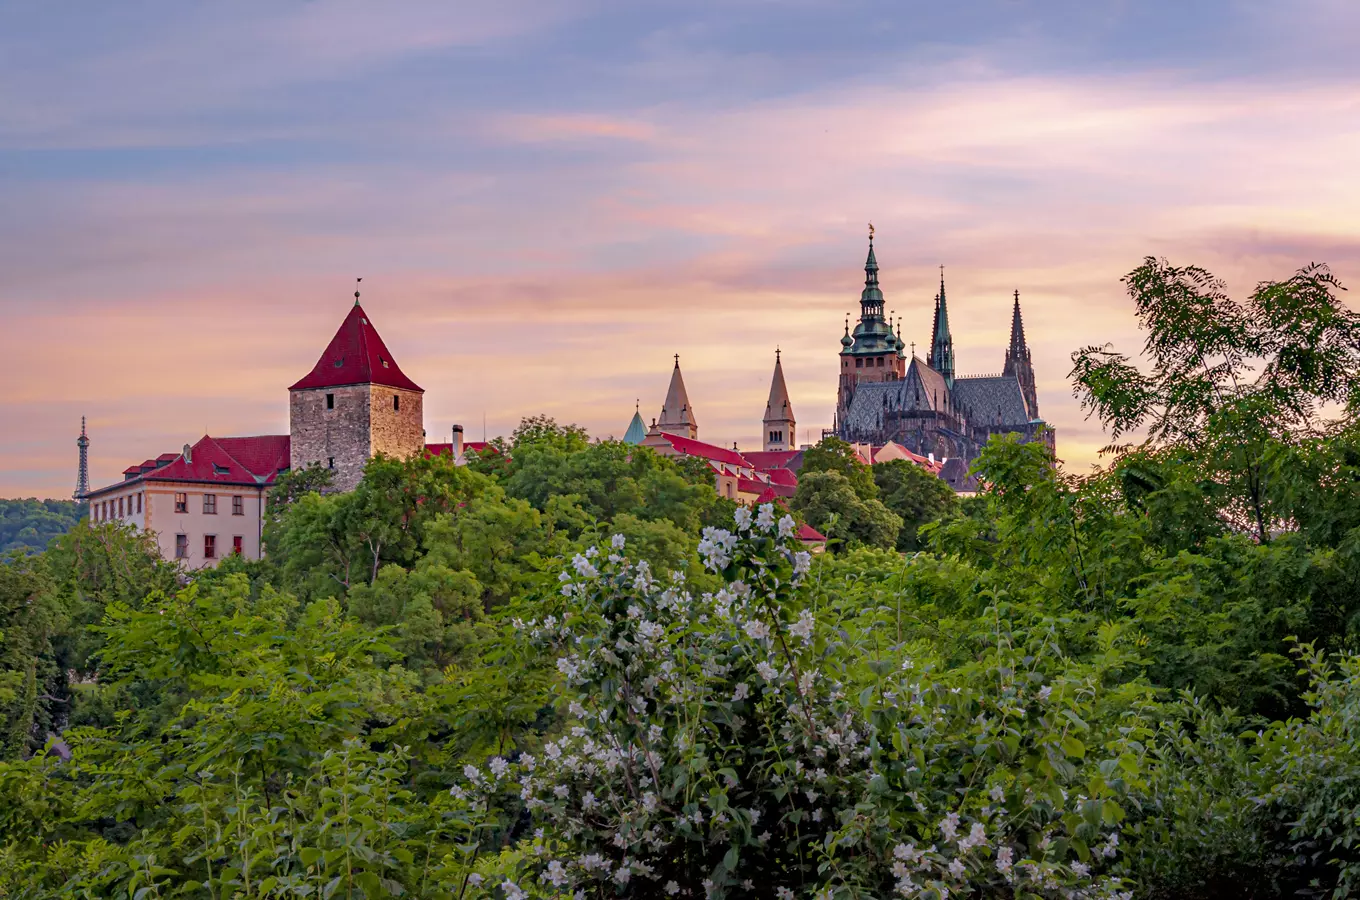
[396,402]
[115,509]
[776,437]
[209,546]
[862,363]
[238,504]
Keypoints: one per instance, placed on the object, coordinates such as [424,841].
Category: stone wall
[399,431]
[363,423]
[338,438]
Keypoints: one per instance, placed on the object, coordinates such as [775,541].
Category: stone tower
[677,416]
[780,427]
[1018,361]
[871,352]
[353,405]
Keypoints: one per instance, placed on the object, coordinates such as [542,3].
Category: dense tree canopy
[29,525]
[577,670]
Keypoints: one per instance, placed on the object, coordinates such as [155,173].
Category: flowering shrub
[730,744]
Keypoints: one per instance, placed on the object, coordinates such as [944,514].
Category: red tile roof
[356,355]
[252,461]
[765,460]
[782,477]
[689,447]
[808,533]
[768,497]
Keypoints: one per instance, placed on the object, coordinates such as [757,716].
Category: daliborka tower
[353,405]
[780,426]
[83,473]
[677,416]
[1018,361]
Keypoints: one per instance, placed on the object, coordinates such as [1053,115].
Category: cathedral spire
[779,422]
[677,417]
[1018,360]
[941,356]
[871,298]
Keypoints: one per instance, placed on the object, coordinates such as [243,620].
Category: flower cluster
[710,739]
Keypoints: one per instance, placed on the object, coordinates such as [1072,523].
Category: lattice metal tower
[83,477]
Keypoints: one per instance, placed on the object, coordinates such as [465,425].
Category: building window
[210,504]
[209,546]
[238,505]
[181,546]
[237,544]
[120,507]
[139,503]
[880,362]
[859,363]
[181,503]
[330,462]
[330,401]
[396,403]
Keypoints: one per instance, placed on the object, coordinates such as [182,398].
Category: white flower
[512,891]
[767,671]
[617,541]
[997,793]
[1004,858]
[474,879]
[588,800]
[672,888]
[583,566]
[787,526]
[907,852]
[783,893]
[623,874]
[742,518]
[561,791]
[1081,869]
[556,874]
[470,772]
[956,868]
[949,826]
[757,630]
[498,766]
[743,690]
[802,563]
[765,519]
[803,627]
[1044,692]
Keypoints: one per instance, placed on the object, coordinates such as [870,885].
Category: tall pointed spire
[677,417]
[871,298]
[83,473]
[941,357]
[1018,361]
[779,422]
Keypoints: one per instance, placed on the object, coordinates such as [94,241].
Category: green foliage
[30,525]
[915,495]
[827,501]
[831,454]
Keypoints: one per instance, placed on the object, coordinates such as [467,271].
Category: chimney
[188,453]
[458,443]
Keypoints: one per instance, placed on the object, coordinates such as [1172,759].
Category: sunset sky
[546,200]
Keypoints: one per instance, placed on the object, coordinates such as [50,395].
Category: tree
[30,525]
[832,454]
[829,503]
[1230,381]
[915,495]
[544,431]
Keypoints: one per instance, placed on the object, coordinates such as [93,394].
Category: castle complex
[208,500]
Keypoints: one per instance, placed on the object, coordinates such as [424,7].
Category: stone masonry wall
[400,432]
[341,434]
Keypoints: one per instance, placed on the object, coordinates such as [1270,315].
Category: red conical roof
[356,355]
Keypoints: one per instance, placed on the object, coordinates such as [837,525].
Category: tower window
[330,462]
[396,402]
[181,503]
[859,363]
[330,401]
[880,362]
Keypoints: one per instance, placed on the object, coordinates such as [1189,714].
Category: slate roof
[356,355]
[637,430]
[771,460]
[991,400]
[955,474]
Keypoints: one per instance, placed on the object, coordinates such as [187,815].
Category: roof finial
[776,353]
[356,290]
[913,349]
[677,360]
[637,405]
[871,231]
[1017,296]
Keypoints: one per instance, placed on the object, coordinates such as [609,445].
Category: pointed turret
[941,356]
[779,423]
[637,429]
[677,417]
[871,298]
[1018,362]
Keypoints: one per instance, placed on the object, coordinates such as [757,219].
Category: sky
[548,200]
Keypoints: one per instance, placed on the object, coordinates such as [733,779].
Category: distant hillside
[29,524]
